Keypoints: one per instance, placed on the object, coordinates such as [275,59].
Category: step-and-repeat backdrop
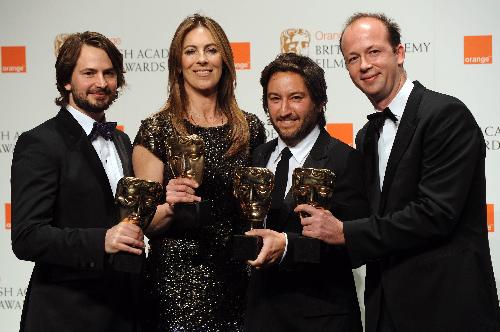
[450,46]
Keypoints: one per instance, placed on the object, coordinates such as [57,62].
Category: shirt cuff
[286,246]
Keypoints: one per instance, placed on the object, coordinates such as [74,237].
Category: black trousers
[385,322]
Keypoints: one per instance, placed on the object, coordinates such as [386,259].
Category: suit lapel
[404,134]
[370,159]
[262,155]
[78,140]
[123,152]
[319,152]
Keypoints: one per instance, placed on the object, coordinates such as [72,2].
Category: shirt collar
[83,120]
[302,149]
[398,104]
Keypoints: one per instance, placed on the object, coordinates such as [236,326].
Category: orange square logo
[120,128]
[478,50]
[13,59]
[490,217]
[7,215]
[341,131]
[241,54]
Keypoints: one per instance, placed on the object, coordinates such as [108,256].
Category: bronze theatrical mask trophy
[137,200]
[186,159]
[314,187]
[252,188]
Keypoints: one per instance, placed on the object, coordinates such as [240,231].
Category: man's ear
[400,54]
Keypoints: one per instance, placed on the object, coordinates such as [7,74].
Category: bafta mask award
[252,188]
[186,159]
[314,187]
[137,200]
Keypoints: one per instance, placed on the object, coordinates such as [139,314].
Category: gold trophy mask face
[137,199]
[313,186]
[252,188]
[186,157]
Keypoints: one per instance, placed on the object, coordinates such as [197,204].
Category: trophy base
[307,250]
[126,262]
[188,216]
[245,247]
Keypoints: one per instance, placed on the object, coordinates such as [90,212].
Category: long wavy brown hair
[177,102]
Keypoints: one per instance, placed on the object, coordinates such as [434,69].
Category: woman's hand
[181,190]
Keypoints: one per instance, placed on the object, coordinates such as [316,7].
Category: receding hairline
[359,20]
[389,24]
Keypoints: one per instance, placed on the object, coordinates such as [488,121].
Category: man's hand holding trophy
[252,188]
[312,188]
[312,191]
[137,200]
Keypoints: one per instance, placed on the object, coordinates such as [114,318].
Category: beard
[294,137]
[82,101]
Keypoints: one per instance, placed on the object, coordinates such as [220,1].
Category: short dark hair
[69,53]
[393,30]
[311,72]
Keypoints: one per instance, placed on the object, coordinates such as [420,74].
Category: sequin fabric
[192,283]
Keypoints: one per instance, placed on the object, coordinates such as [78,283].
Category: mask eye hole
[323,191]
[303,190]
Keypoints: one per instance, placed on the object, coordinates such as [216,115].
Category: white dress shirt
[105,149]
[389,130]
[299,155]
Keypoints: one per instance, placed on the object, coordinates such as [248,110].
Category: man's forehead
[91,57]
[366,25]
[293,79]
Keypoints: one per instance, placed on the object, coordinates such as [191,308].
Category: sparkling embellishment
[193,282]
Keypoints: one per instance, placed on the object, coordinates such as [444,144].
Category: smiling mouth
[287,122]
[100,96]
[369,78]
[100,93]
[203,73]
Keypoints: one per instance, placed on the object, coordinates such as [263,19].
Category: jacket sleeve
[449,153]
[35,181]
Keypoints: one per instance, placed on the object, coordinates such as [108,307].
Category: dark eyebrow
[208,45]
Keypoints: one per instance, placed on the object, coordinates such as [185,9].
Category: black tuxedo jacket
[312,297]
[426,243]
[62,205]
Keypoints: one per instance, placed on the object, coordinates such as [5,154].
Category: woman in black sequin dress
[191,281]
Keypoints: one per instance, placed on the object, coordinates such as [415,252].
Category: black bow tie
[378,118]
[104,129]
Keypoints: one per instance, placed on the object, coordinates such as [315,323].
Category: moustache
[288,117]
[106,91]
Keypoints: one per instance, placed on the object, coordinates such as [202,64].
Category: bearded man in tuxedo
[287,293]
[64,176]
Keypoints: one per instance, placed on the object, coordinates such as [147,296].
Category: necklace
[207,123]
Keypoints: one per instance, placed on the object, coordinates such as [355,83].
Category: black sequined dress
[193,284]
